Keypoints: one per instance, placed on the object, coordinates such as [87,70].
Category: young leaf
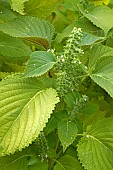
[25,106]
[13,49]
[101,67]
[17,161]
[95,149]
[18,6]
[67,132]
[29,28]
[68,163]
[39,63]
[100,16]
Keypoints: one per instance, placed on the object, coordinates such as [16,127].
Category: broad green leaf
[39,63]
[71,150]
[52,140]
[91,114]
[50,82]
[90,108]
[67,132]
[18,6]
[68,163]
[101,16]
[9,67]
[62,115]
[29,28]
[71,4]
[4,3]
[89,39]
[40,8]
[96,53]
[15,162]
[101,67]
[88,27]
[51,125]
[95,149]
[51,153]
[6,15]
[25,106]
[13,49]
[35,164]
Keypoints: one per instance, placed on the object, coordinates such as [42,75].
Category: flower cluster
[68,64]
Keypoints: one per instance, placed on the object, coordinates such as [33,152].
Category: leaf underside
[25,106]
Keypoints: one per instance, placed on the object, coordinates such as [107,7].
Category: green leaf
[62,115]
[6,15]
[25,106]
[71,150]
[39,63]
[67,132]
[101,16]
[91,114]
[90,108]
[65,33]
[71,4]
[18,6]
[67,163]
[87,26]
[95,149]
[42,166]
[9,67]
[31,29]
[40,8]
[15,162]
[51,125]
[36,164]
[89,39]
[13,49]
[70,99]
[101,67]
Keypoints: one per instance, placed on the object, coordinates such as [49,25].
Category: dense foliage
[56,84]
